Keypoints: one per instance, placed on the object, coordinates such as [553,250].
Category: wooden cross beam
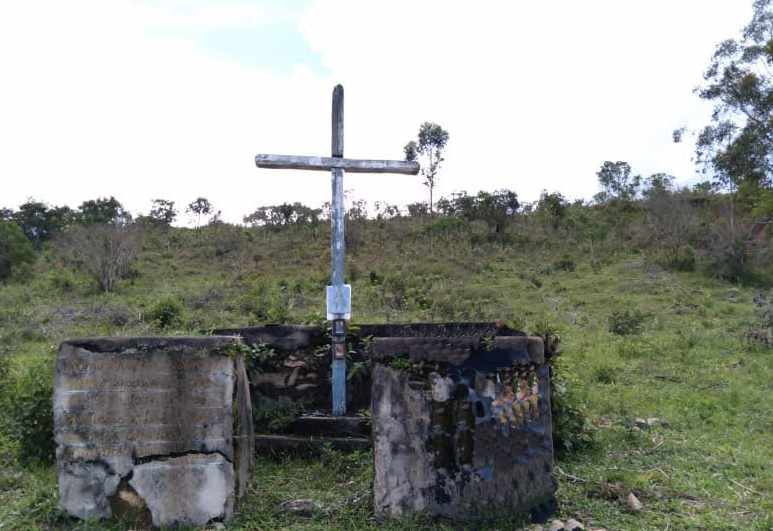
[339,308]
[296,162]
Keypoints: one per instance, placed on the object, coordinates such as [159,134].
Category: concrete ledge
[152,343]
[282,337]
[463,351]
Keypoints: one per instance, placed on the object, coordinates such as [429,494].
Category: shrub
[605,374]
[16,250]
[62,280]
[274,415]
[445,226]
[26,399]
[626,322]
[681,259]
[761,332]
[269,304]
[572,430]
[726,254]
[565,264]
[166,313]
[105,252]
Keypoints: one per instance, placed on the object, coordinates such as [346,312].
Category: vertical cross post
[337,250]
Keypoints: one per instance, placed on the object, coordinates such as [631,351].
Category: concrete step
[296,443]
[329,426]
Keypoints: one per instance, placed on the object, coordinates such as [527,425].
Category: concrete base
[461,430]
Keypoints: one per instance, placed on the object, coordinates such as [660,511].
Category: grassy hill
[640,341]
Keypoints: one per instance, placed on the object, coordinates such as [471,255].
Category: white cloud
[95,100]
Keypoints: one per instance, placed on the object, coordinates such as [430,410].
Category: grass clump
[26,400]
[166,313]
[626,322]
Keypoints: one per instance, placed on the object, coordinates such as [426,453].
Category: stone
[300,507]
[134,413]
[633,503]
[651,422]
[573,525]
[190,490]
[468,438]
[556,525]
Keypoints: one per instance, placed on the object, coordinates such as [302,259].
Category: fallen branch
[570,476]
[744,487]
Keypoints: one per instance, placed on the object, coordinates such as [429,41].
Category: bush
[166,313]
[605,374]
[727,255]
[274,415]
[62,280]
[446,226]
[26,399]
[572,430]
[566,263]
[680,259]
[626,322]
[105,252]
[269,304]
[16,250]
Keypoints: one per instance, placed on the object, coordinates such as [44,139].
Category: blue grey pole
[337,253]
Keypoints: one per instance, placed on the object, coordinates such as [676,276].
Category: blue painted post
[337,253]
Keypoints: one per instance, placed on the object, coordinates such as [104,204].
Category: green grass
[708,463]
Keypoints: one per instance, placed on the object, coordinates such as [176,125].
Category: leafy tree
[103,210]
[658,184]
[39,222]
[552,208]
[417,210]
[283,215]
[704,188]
[617,182]
[738,143]
[15,249]
[163,212]
[386,211]
[199,207]
[6,214]
[432,142]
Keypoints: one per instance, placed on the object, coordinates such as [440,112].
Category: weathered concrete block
[192,489]
[461,426]
[164,422]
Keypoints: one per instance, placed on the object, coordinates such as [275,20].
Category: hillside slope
[639,342]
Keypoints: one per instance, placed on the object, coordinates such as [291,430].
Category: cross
[339,295]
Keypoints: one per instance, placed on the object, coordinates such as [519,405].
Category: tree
[39,222]
[200,207]
[284,215]
[552,208]
[429,149]
[737,145]
[417,210]
[616,180]
[658,184]
[103,210]
[162,212]
[16,250]
[104,251]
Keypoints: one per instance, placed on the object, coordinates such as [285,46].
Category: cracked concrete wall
[150,423]
[461,427]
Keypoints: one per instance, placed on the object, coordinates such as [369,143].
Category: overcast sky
[173,99]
